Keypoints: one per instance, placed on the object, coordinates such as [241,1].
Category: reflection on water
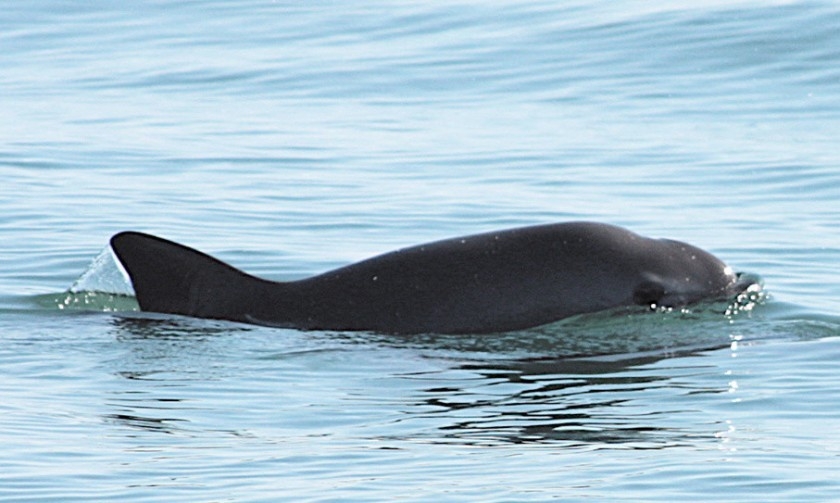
[485,390]
[164,359]
[170,327]
[599,402]
[619,379]
[154,424]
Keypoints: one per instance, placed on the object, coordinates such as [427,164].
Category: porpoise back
[484,283]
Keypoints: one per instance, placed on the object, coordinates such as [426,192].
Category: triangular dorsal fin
[172,278]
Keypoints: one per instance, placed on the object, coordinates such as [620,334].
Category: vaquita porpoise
[493,282]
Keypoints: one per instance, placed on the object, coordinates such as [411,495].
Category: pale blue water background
[291,138]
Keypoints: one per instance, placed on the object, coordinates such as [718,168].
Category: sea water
[288,139]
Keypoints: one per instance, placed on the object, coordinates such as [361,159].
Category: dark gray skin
[485,283]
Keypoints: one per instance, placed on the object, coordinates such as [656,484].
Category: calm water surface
[291,139]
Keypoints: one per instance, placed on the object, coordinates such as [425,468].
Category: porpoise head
[682,274]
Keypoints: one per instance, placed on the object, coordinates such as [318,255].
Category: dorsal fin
[172,278]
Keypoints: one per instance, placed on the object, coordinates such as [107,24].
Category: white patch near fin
[104,274]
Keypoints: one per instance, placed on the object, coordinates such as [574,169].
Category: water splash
[104,286]
[104,274]
[753,295]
